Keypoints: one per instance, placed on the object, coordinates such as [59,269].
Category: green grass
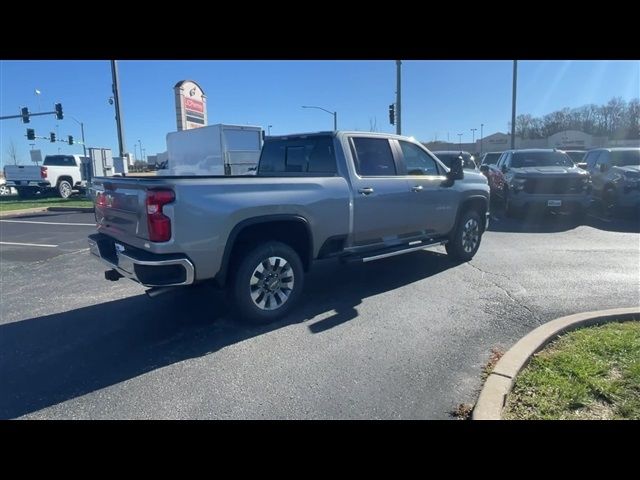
[592,373]
[14,203]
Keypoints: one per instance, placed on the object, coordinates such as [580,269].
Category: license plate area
[554,203]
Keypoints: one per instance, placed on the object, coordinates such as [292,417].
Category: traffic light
[392,114]
[70,139]
[59,115]
[25,115]
[52,136]
[31,134]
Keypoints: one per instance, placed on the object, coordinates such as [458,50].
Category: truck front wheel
[465,240]
[267,283]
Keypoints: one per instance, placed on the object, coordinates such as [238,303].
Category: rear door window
[374,157]
[303,156]
[59,161]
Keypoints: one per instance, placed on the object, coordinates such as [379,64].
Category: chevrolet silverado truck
[615,177]
[538,178]
[353,195]
[60,173]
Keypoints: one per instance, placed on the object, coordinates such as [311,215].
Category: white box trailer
[214,150]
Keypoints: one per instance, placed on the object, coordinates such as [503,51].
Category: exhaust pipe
[155,291]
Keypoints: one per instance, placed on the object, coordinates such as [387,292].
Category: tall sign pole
[513,105]
[116,98]
[398,97]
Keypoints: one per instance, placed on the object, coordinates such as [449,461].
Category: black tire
[509,210]
[64,189]
[609,200]
[461,245]
[25,192]
[265,302]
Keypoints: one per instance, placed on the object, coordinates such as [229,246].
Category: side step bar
[392,252]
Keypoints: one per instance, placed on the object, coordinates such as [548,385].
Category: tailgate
[120,207]
[22,172]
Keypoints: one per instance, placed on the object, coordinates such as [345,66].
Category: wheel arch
[273,227]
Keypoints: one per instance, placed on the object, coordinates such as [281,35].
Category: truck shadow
[50,359]
[541,222]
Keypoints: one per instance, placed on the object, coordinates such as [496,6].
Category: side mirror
[484,168]
[503,168]
[456,172]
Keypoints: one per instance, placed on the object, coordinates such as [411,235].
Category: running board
[392,252]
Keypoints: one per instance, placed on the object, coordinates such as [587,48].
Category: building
[567,140]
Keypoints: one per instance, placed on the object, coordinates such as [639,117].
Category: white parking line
[29,244]
[49,223]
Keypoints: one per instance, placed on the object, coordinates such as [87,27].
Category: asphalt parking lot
[400,338]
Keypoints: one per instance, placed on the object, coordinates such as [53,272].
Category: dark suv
[615,176]
[538,178]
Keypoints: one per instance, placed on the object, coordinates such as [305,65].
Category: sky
[440,99]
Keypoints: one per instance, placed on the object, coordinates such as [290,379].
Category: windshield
[575,156]
[541,159]
[625,158]
[491,158]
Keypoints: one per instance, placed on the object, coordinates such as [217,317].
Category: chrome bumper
[126,263]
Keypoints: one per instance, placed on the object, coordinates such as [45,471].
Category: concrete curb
[17,213]
[499,383]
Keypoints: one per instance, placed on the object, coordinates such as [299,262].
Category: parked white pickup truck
[64,173]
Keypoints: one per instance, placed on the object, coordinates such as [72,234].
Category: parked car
[4,189]
[545,178]
[60,173]
[615,176]
[577,156]
[448,156]
[353,195]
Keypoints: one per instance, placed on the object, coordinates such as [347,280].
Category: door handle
[365,190]
[417,188]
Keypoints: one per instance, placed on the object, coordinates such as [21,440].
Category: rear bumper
[148,269]
[28,183]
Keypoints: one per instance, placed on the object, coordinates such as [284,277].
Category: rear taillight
[158,223]
[101,199]
[43,172]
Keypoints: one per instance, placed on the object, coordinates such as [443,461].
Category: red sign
[193,105]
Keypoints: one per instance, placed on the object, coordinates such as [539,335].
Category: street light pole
[398,97]
[460,140]
[335,114]
[481,136]
[269,130]
[513,105]
[116,98]
[141,155]
[473,138]
[84,145]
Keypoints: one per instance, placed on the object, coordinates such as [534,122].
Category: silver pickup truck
[353,195]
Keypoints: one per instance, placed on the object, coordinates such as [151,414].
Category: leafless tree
[12,151]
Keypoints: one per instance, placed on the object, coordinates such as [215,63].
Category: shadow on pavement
[547,222]
[50,359]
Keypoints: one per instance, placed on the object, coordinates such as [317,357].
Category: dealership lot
[40,236]
[404,337]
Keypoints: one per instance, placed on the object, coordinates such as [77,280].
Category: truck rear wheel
[64,189]
[267,283]
[25,192]
[465,240]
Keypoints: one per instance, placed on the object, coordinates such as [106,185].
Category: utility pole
[481,136]
[398,97]
[473,138]
[116,98]
[513,105]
